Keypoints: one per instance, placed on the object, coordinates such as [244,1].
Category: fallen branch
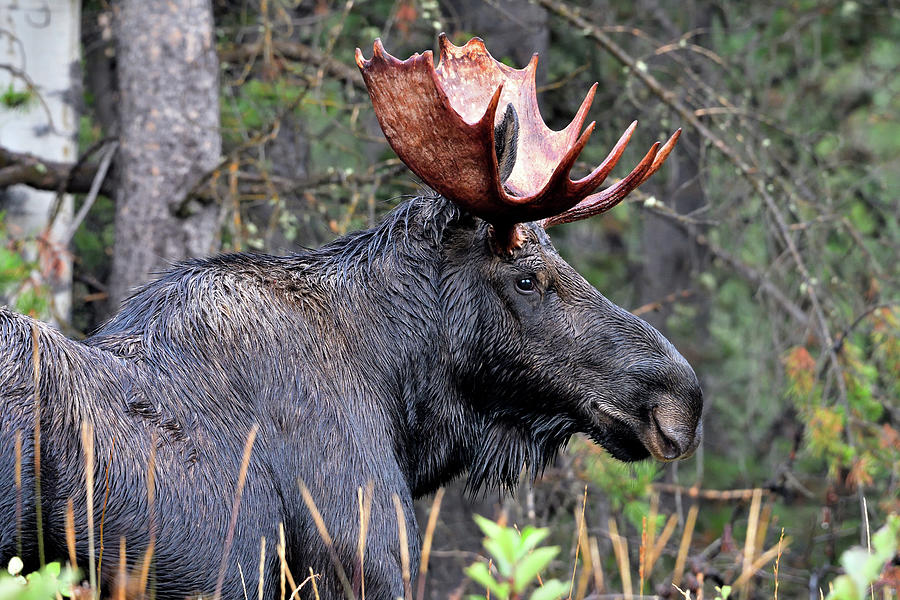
[694,492]
[33,171]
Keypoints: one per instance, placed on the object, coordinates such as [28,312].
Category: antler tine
[608,198]
[662,155]
[599,175]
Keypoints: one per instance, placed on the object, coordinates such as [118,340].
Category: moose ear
[506,141]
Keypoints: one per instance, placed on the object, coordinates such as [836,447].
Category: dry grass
[749,561]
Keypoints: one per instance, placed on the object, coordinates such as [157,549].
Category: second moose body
[444,340]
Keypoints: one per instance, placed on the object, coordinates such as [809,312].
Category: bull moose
[450,338]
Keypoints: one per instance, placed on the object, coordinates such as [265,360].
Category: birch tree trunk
[39,54]
[169,136]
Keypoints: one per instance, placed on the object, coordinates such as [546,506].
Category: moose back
[452,338]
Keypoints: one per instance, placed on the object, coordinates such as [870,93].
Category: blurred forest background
[136,133]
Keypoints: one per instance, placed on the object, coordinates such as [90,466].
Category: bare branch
[295,51]
[28,169]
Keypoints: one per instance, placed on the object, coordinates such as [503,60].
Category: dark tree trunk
[169,133]
[671,258]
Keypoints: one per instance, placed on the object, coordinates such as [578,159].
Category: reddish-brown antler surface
[440,122]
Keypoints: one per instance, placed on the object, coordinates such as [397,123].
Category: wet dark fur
[401,355]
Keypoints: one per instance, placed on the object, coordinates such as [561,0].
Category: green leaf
[531,537]
[488,527]
[862,567]
[843,588]
[551,590]
[479,573]
[503,554]
[886,540]
[531,565]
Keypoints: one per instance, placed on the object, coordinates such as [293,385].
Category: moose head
[553,356]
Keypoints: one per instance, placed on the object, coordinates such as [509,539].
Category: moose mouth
[620,440]
[659,436]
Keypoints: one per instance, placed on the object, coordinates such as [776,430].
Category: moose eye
[525,285]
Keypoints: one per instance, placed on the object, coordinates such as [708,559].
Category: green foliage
[13,269]
[626,486]
[723,593]
[517,562]
[862,567]
[12,98]
[50,582]
[850,437]
[17,285]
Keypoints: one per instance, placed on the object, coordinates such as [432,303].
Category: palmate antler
[440,122]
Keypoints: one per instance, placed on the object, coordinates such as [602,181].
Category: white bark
[41,38]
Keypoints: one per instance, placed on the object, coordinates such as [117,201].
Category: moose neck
[412,333]
[378,290]
[382,292]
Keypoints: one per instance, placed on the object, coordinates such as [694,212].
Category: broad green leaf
[479,573]
[531,537]
[502,554]
[551,590]
[528,568]
[861,566]
[844,588]
[488,527]
[885,541]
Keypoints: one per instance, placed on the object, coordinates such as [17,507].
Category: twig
[32,88]
[578,542]
[326,537]
[92,193]
[189,192]
[849,329]
[658,304]
[299,53]
[744,270]
[235,508]
[762,560]
[750,544]
[685,545]
[620,548]
[426,544]
[404,547]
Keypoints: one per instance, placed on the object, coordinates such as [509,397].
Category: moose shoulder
[451,338]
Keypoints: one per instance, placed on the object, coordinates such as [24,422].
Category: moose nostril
[673,438]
